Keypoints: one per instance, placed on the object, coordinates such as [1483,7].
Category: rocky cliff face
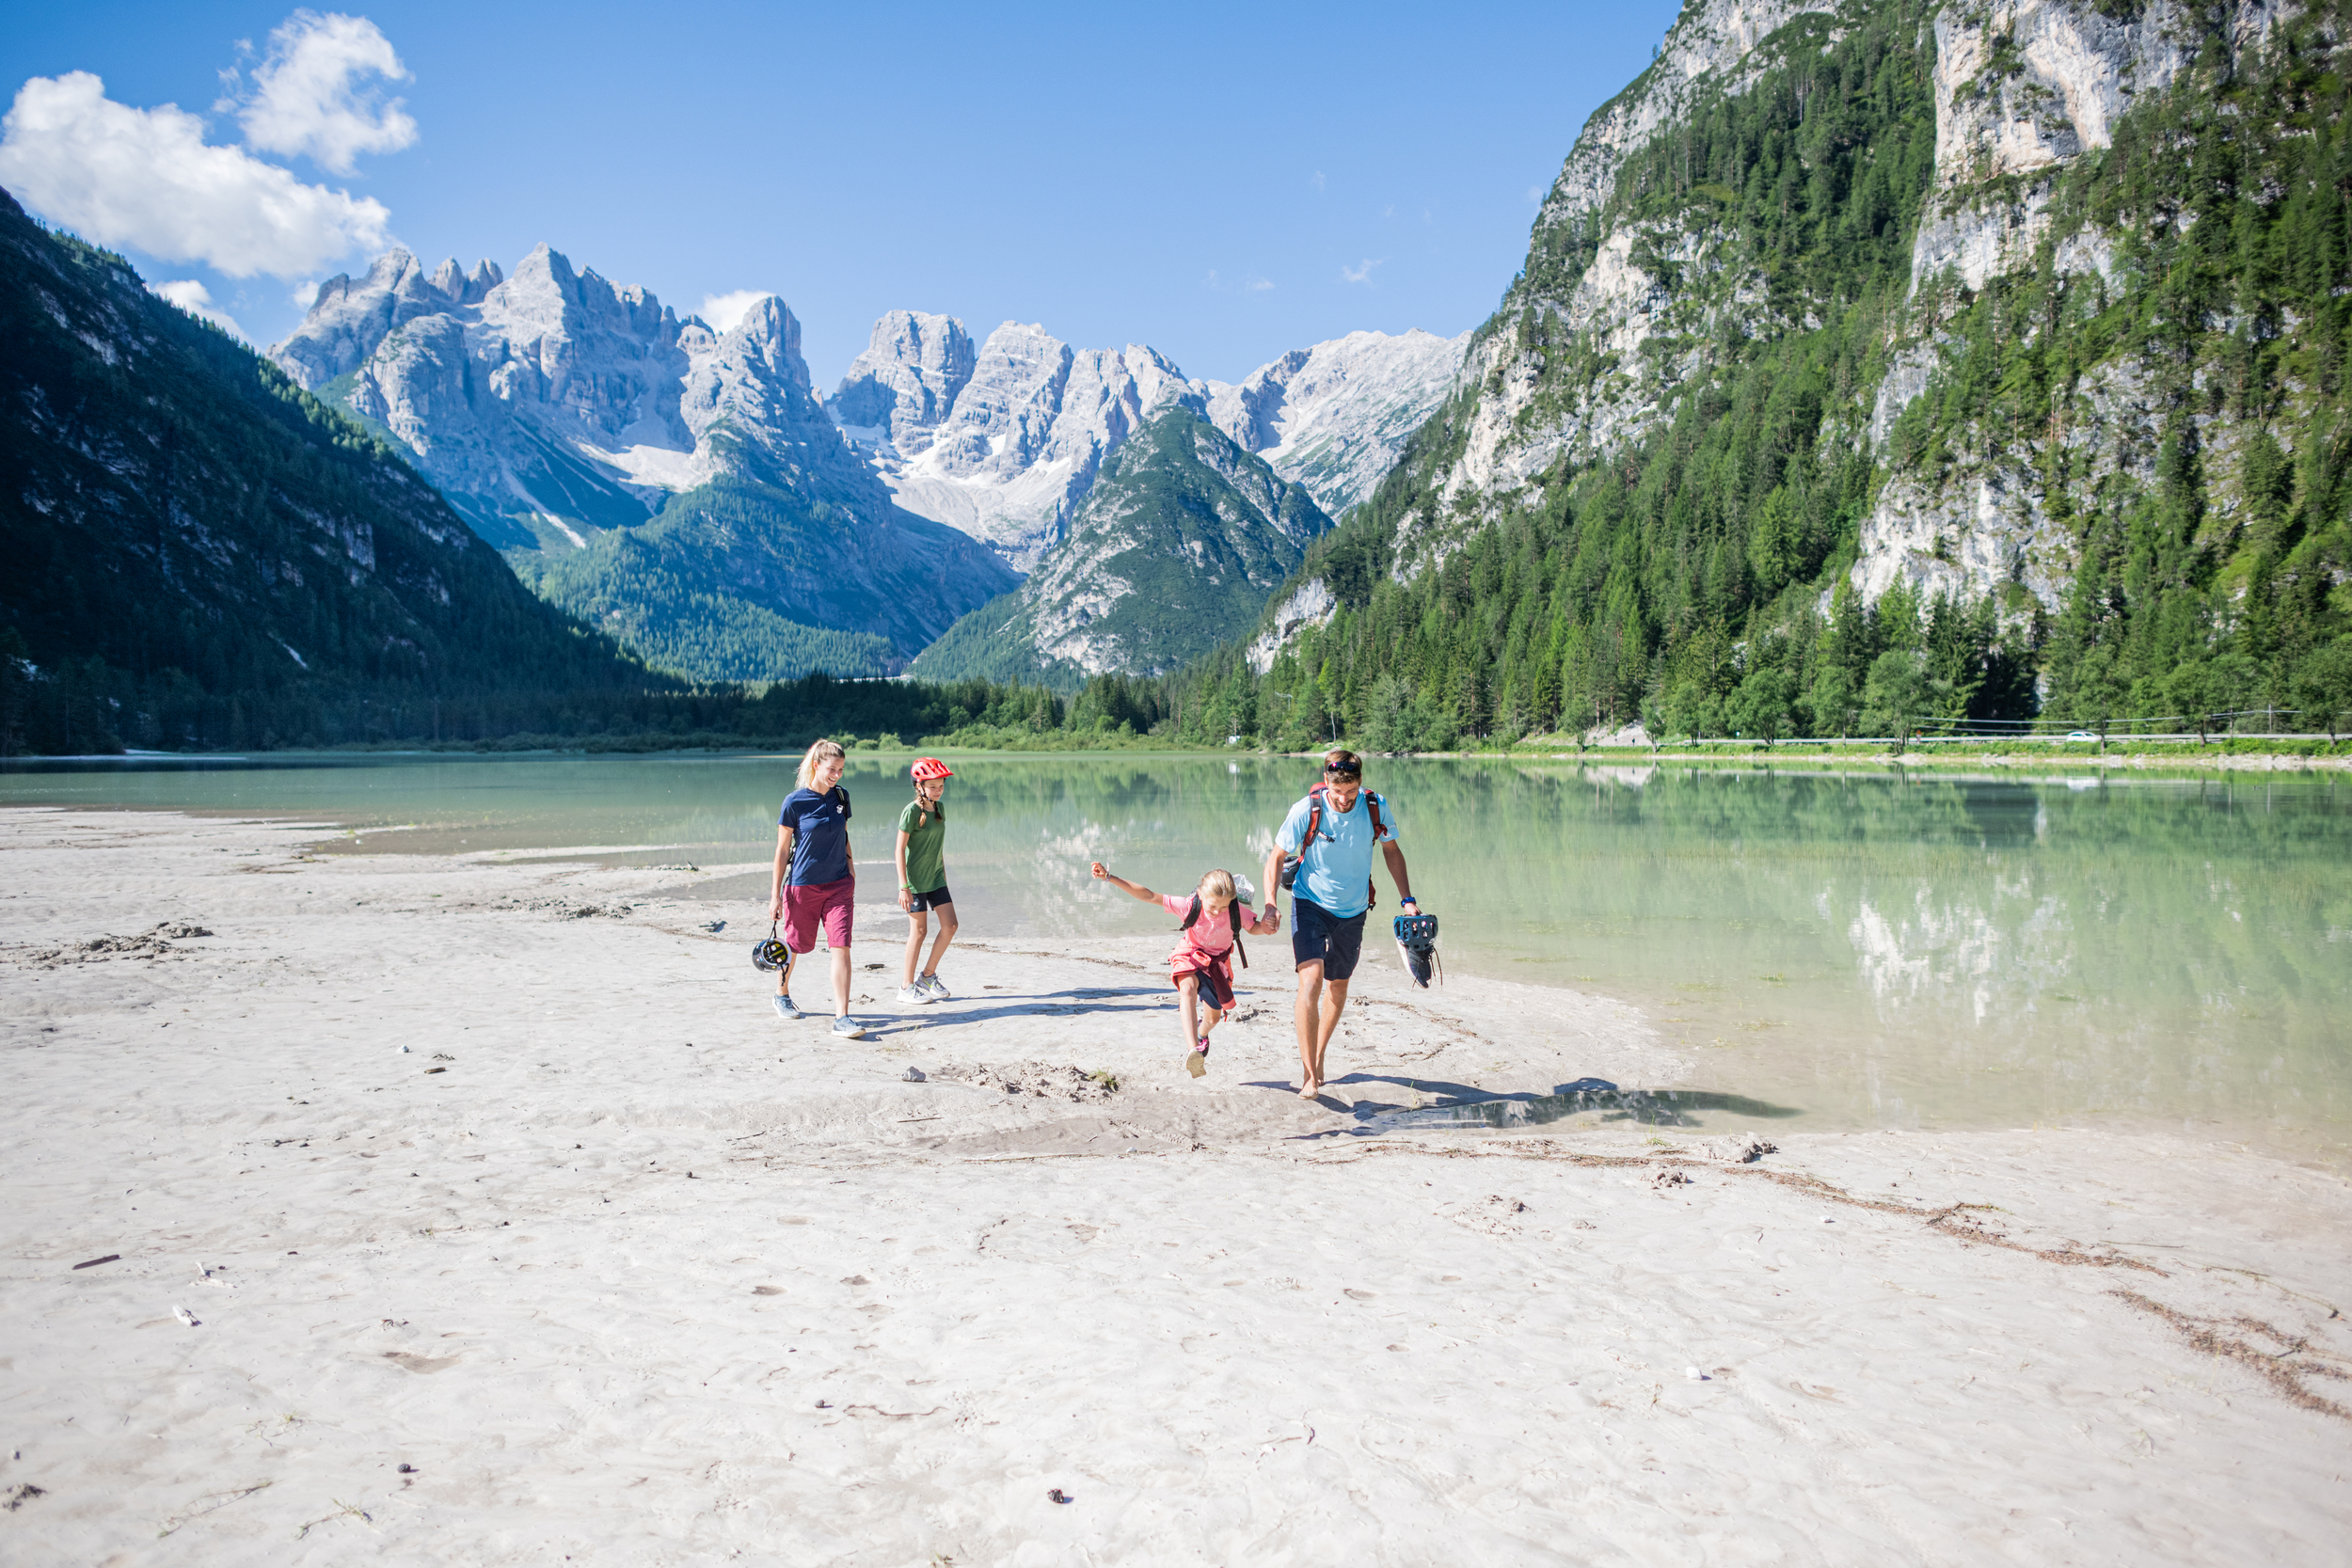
[1006,440]
[2021,92]
[2018,310]
[554,407]
[1173,551]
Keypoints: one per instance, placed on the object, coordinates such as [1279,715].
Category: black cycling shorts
[938,898]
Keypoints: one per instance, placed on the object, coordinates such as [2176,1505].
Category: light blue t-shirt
[1336,870]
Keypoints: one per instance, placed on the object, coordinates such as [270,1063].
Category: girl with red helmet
[923,879]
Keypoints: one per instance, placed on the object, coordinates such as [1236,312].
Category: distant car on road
[2084,735]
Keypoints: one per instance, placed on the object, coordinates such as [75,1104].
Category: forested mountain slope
[199,554]
[1881,364]
[1174,550]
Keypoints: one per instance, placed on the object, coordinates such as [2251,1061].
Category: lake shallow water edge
[1857,948]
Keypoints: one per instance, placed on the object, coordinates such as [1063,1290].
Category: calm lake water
[1851,950]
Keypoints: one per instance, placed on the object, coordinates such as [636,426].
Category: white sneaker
[930,985]
[914,995]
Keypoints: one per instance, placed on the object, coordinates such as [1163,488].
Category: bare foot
[1310,1089]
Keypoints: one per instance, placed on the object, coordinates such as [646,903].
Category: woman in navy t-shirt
[816,882]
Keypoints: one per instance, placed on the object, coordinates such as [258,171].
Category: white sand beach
[516,1229]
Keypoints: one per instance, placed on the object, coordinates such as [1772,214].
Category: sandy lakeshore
[610,1265]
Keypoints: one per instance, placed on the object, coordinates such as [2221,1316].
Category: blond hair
[1219,884]
[818,753]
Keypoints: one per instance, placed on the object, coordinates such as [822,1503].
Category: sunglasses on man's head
[1342,770]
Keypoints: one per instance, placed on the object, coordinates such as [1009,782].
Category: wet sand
[623,1268]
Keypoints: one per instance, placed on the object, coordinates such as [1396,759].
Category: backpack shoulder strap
[1191,914]
[1233,917]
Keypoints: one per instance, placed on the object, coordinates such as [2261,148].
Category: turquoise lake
[1861,949]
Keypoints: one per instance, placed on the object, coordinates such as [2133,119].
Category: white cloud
[144,178]
[1217,284]
[307,96]
[304,295]
[1361,272]
[1534,193]
[722,311]
[196,300]
[1318,179]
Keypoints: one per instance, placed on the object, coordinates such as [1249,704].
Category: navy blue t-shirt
[820,835]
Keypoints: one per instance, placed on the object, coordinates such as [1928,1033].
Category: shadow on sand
[1061,1004]
[1469,1107]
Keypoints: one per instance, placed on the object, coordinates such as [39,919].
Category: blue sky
[1223,181]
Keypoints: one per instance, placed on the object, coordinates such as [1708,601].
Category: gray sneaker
[785,1010]
[914,995]
[847,1028]
[929,985]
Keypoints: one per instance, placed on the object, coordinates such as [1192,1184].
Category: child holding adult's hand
[1203,959]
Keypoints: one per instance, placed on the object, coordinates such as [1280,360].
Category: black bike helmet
[769,954]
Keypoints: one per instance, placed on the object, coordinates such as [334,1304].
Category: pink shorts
[830,903]
[1215,975]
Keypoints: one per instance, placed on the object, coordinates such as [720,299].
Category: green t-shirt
[927,845]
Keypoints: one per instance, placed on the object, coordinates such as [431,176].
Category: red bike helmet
[931,768]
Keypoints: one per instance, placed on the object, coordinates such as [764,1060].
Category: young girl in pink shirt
[1203,959]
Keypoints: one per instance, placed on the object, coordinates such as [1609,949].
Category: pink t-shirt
[1210,935]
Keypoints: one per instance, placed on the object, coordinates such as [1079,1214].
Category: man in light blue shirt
[1333,893]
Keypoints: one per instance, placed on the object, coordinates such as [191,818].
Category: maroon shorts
[1214,974]
[829,904]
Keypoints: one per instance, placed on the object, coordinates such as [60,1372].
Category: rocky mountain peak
[902,386]
[460,287]
[1333,417]
[1006,440]
[349,316]
[1174,550]
[753,377]
[1003,441]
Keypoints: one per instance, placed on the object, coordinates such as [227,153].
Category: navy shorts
[1318,936]
[938,898]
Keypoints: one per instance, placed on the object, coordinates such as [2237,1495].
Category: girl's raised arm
[1135,890]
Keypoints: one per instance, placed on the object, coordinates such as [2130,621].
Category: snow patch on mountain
[1334,417]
